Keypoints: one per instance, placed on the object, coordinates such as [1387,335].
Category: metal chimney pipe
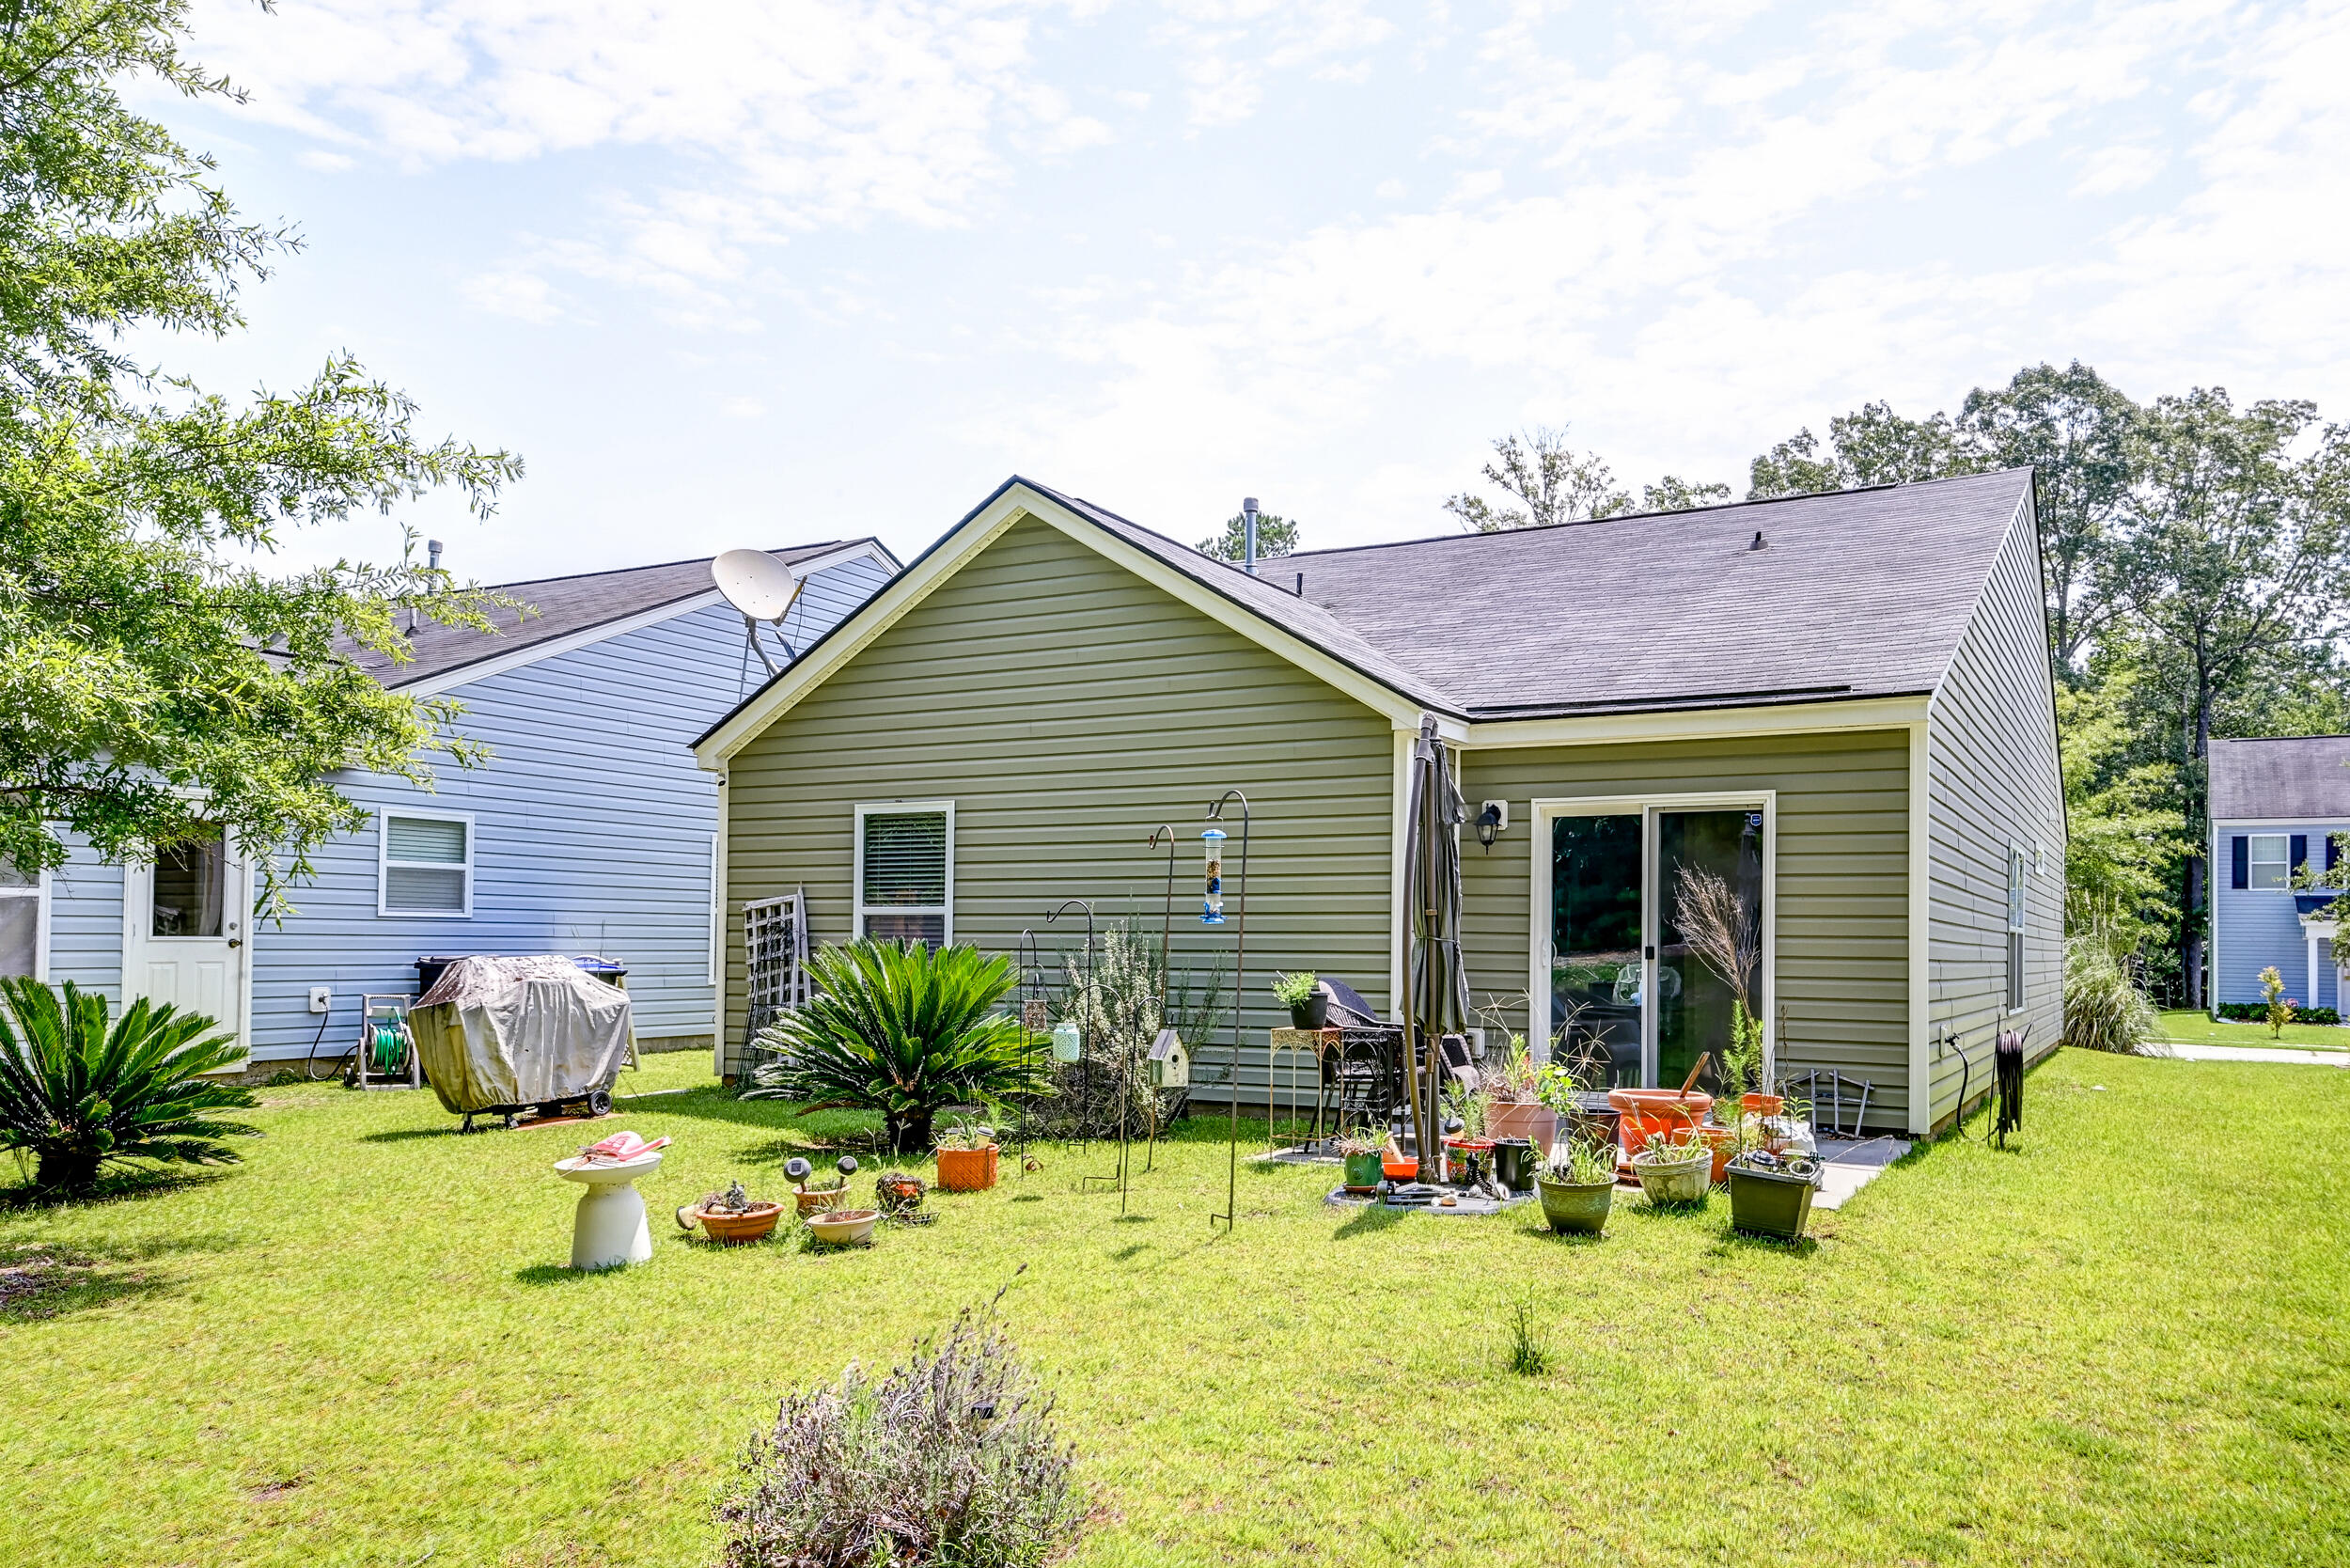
[432,553]
[1248,518]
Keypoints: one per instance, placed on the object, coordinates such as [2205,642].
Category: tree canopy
[1276,536]
[1543,481]
[159,676]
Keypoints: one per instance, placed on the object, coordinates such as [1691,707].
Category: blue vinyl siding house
[589,829]
[2276,805]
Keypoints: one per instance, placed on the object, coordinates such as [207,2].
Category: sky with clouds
[759,273]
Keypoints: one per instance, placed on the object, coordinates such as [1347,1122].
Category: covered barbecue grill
[508,1037]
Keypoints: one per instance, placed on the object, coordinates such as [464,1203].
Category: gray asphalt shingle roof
[1856,593]
[2300,778]
[564,605]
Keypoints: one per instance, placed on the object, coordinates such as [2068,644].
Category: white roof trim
[910,587]
[515,658]
[1690,724]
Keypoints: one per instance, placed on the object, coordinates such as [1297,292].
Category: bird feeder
[1211,911]
[1170,1063]
[1068,1040]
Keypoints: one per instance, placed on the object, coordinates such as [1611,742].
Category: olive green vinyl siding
[1841,906]
[1992,781]
[1066,708]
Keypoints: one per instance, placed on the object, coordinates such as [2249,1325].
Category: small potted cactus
[731,1216]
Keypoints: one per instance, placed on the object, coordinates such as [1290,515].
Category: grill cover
[515,1031]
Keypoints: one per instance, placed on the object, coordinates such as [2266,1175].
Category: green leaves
[902,1030]
[159,676]
[79,1096]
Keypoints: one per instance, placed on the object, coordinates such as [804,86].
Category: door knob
[236,941]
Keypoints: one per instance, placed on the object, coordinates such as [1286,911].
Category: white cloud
[743,408]
[2111,170]
[324,162]
[524,296]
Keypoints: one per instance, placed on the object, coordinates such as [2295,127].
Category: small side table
[608,1229]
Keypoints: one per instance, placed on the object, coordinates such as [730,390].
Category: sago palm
[902,1030]
[79,1096]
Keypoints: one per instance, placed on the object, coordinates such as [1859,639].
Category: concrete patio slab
[1847,1164]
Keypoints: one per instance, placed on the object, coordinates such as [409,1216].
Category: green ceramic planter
[1362,1171]
[1576,1208]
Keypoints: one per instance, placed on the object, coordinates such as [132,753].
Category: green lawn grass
[2120,1341]
[2189,1027]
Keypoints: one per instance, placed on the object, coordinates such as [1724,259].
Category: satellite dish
[762,587]
[754,582]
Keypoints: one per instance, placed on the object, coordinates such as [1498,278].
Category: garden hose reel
[385,1054]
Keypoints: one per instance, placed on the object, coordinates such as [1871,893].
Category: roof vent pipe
[1758,543]
[432,554]
[1249,535]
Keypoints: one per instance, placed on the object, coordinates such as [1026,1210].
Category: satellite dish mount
[763,589]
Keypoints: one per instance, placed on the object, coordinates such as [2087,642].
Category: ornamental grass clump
[2104,1009]
[951,1460]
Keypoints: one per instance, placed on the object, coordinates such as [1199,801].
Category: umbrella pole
[1240,982]
[1411,1014]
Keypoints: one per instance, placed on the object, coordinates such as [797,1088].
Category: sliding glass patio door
[1628,894]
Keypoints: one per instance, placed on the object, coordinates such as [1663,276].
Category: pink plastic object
[621,1147]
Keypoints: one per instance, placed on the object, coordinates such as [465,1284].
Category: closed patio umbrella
[1436,984]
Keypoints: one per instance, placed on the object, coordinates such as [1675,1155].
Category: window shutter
[2239,862]
[2300,853]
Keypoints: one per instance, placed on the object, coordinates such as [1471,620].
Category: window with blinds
[905,877]
[426,866]
[23,923]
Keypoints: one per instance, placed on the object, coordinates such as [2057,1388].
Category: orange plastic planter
[966,1169]
[1655,1110]
[1763,1105]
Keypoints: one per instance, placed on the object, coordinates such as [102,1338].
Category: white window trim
[38,893]
[2015,921]
[2251,859]
[1544,809]
[856,874]
[383,863]
[717,912]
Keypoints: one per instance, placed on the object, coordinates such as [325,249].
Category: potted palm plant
[903,1029]
[967,1158]
[1578,1185]
[1675,1168]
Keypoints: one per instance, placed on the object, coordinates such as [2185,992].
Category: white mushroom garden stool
[609,1229]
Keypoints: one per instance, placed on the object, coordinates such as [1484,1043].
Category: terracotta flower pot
[966,1169]
[1763,1105]
[750,1226]
[1530,1120]
[1655,1110]
[1724,1142]
[816,1202]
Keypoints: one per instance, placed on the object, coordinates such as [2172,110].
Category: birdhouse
[1169,1062]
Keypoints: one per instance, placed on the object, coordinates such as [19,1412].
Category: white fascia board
[1687,724]
[910,587]
[498,664]
[1921,925]
[864,549]
[2319,823]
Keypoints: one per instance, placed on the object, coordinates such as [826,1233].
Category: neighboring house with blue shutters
[588,830]
[2276,805]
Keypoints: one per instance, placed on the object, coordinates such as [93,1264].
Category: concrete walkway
[2252,1053]
[1846,1167]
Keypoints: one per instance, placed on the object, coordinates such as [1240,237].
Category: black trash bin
[1514,1162]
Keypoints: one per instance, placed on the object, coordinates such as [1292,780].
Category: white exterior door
[185,920]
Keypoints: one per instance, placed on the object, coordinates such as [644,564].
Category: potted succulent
[1675,1168]
[967,1158]
[820,1196]
[1578,1185]
[733,1216]
[1302,994]
[1513,1101]
[1772,1195]
[1364,1161]
[1465,1125]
